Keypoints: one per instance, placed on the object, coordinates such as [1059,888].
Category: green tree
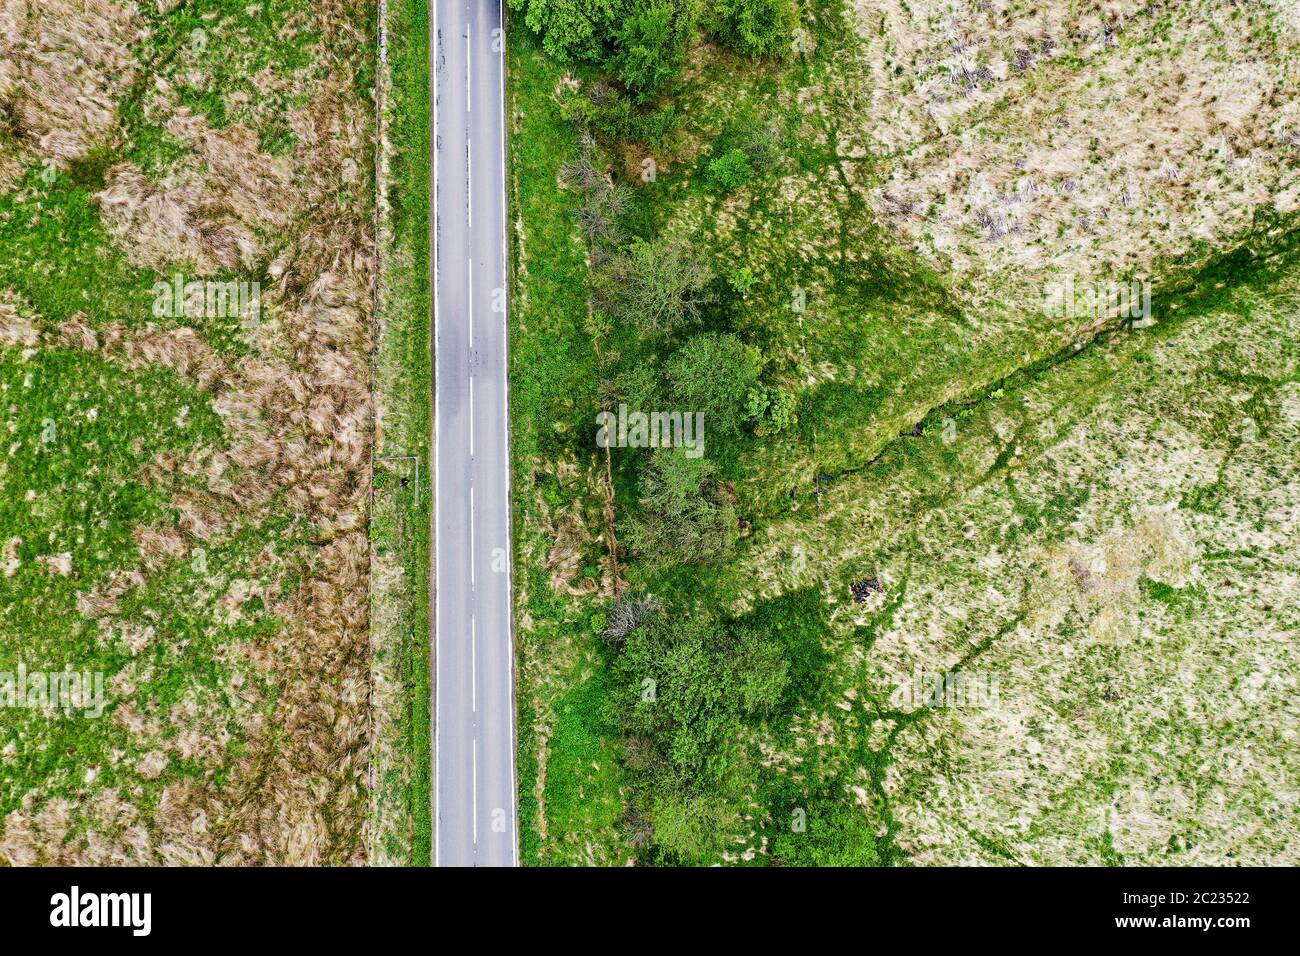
[572,29]
[656,286]
[651,44]
[829,831]
[757,27]
[693,826]
[714,373]
[687,687]
[731,170]
[690,684]
[684,514]
[742,279]
[771,410]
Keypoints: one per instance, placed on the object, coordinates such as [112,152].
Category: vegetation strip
[403,479]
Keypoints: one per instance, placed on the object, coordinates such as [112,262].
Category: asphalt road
[474,722]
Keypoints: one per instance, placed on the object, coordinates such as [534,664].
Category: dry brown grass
[1029,140]
[211,209]
[297,418]
[297,431]
[63,66]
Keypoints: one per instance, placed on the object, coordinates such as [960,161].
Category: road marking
[469,52]
[469,184]
[475,793]
[505,392]
[434,796]
[471,536]
[473,662]
[471,418]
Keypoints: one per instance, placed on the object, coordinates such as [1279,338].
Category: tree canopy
[656,286]
[714,373]
[689,684]
[758,27]
[572,29]
[684,514]
[651,44]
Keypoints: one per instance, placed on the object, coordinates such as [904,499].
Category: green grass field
[956,448]
[173,522]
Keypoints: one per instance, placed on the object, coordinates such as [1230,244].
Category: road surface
[474,722]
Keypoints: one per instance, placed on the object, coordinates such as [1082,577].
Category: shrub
[572,29]
[651,45]
[714,374]
[757,27]
[835,833]
[600,213]
[693,826]
[654,128]
[626,616]
[730,171]
[684,515]
[772,411]
[760,141]
[657,286]
[742,279]
[613,118]
[781,416]
[706,682]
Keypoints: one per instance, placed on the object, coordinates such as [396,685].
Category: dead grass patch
[64,64]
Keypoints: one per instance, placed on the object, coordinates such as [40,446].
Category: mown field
[184,495]
[831,228]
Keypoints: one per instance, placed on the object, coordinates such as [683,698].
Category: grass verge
[569,774]
[400,523]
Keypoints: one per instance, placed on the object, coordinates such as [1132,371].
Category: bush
[730,171]
[772,411]
[693,826]
[655,127]
[757,27]
[626,616]
[760,141]
[780,416]
[742,279]
[637,384]
[613,118]
[714,374]
[704,682]
[656,286]
[572,29]
[600,213]
[651,45]
[836,833]
[684,515]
